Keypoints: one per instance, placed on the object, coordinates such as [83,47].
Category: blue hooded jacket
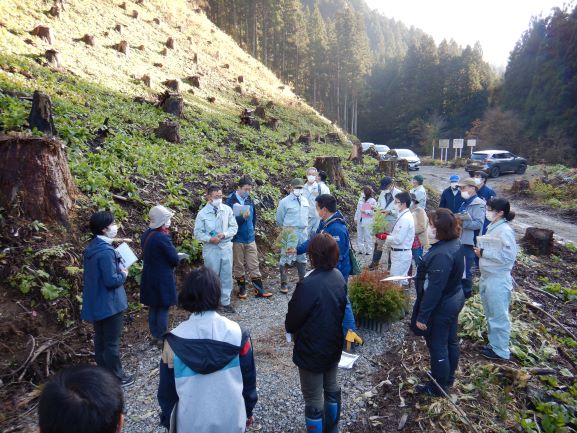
[103,294]
[337,228]
[246,227]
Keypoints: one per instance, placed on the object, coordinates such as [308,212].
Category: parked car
[407,154]
[382,149]
[495,162]
[366,145]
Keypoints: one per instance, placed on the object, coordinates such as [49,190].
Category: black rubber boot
[259,290]
[377,254]
[332,411]
[313,419]
[283,279]
[241,288]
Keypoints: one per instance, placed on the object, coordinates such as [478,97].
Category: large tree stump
[170,43]
[520,186]
[305,138]
[168,130]
[403,165]
[332,166]
[172,103]
[41,114]
[35,179]
[537,241]
[146,80]
[332,137]
[194,80]
[55,10]
[53,58]
[273,123]
[260,112]
[122,47]
[43,32]
[357,152]
[388,167]
[88,39]
[172,85]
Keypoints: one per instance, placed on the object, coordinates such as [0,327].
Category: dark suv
[495,162]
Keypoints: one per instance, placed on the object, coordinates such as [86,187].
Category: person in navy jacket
[103,297]
[158,282]
[451,197]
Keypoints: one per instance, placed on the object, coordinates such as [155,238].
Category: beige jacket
[421,224]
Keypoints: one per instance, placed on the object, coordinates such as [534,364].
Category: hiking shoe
[157,342]
[126,380]
[284,288]
[241,288]
[429,389]
[489,354]
[227,309]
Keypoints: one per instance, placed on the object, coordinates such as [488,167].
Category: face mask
[311,178]
[431,232]
[111,231]
[491,215]
[167,223]
[216,202]
[478,180]
[243,194]
[398,206]
[297,192]
[454,185]
[466,195]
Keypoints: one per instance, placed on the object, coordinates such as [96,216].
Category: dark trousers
[470,257]
[107,334]
[158,321]
[313,386]
[442,339]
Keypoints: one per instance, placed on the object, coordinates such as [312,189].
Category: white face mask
[216,202]
[491,215]
[111,231]
[297,192]
[454,185]
[466,195]
[431,232]
[311,178]
[167,223]
[478,180]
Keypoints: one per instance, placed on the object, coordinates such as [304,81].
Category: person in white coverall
[215,226]
[401,238]
[496,283]
[385,205]
[311,190]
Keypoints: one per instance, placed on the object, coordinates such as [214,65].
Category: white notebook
[127,256]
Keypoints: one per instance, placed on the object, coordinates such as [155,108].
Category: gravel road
[438,177]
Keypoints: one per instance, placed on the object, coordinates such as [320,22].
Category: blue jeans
[442,340]
[467,282]
[158,321]
[107,333]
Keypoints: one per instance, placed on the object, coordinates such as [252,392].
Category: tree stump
[388,167]
[332,166]
[169,131]
[164,52]
[357,152]
[119,28]
[88,39]
[172,85]
[226,66]
[122,6]
[170,43]
[172,103]
[254,101]
[520,186]
[194,80]
[273,123]
[238,89]
[53,58]
[146,80]
[43,32]
[332,137]
[240,79]
[211,99]
[305,139]
[269,104]
[538,242]
[403,165]
[195,58]
[35,179]
[41,114]
[135,14]
[55,10]
[260,112]
[122,47]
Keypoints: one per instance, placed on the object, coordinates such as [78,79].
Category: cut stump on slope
[35,180]
[169,131]
[538,241]
[41,114]
[331,165]
[388,167]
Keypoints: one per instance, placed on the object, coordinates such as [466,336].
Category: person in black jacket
[314,318]
[440,299]
[451,197]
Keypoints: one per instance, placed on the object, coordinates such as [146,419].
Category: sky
[496,24]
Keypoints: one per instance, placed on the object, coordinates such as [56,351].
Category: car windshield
[381,147]
[479,156]
[404,153]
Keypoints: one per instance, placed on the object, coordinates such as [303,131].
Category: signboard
[471,143]
[458,143]
[444,144]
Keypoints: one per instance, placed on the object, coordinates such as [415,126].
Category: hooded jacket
[103,293]
[207,366]
[337,228]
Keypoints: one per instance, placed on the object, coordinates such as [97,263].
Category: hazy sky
[496,24]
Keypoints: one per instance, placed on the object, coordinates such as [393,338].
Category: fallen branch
[457,408]
[47,345]
[535,307]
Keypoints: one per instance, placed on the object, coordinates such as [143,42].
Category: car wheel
[522,168]
[495,171]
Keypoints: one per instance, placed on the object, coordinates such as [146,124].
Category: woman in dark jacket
[440,299]
[314,318]
[158,283]
[103,296]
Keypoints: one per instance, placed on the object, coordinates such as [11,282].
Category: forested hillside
[372,75]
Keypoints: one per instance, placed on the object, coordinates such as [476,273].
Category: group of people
[209,352]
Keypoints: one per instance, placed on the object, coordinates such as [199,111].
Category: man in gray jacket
[472,214]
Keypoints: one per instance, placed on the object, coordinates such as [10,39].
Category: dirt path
[438,177]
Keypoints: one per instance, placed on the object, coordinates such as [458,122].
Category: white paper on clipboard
[489,243]
[127,256]
[398,278]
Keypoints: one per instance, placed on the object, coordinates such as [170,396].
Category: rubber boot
[259,290]
[241,288]
[313,419]
[302,270]
[283,279]
[332,411]
[377,254]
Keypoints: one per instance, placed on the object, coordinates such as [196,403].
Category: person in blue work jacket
[472,214]
[485,192]
[333,223]
[244,250]
[451,197]
[292,215]
[496,283]
[215,226]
